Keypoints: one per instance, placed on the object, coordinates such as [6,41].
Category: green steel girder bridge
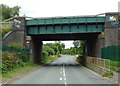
[65,25]
[97,31]
[65,28]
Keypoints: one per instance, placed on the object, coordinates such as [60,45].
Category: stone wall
[112,31]
[18,34]
[14,37]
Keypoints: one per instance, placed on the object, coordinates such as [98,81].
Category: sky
[53,8]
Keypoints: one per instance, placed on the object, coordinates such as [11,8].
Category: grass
[115,63]
[108,74]
[115,66]
[5,31]
[48,59]
[18,72]
[115,69]
[107,64]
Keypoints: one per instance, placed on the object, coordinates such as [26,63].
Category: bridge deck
[65,25]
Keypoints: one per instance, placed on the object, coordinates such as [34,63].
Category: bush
[58,55]
[5,31]
[115,69]
[14,58]
[49,50]
[78,59]
[9,60]
[115,63]
[15,45]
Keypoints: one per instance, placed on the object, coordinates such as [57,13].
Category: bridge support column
[99,44]
[36,50]
[95,45]
[90,48]
[112,29]
[18,34]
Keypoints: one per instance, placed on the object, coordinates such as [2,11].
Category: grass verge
[49,59]
[19,72]
[108,74]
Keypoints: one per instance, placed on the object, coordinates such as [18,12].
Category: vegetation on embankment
[19,71]
[77,49]
[52,51]
[115,66]
[104,67]
[49,59]
[13,57]
[15,62]
[5,31]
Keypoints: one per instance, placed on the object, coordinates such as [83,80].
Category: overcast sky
[52,8]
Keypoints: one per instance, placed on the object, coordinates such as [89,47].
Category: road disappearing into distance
[65,71]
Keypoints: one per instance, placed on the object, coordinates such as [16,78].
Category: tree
[8,12]
[63,46]
[48,49]
[82,47]
[76,45]
[53,46]
[57,47]
[15,11]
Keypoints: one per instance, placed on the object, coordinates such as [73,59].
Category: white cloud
[48,8]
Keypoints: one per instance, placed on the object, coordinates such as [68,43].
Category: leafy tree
[15,11]
[48,49]
[63,46]
[53,46]
[60,46]
[76,45]
[8,12]
[57,47]
[82,47]
[79,48]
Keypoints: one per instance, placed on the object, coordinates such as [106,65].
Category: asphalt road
[65,71]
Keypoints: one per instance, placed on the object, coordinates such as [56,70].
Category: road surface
[65,71]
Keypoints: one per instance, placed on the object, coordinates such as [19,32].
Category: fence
[22,51]
[111,53]
[104,63]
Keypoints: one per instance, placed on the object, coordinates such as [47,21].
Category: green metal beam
[65,25]
[65,20]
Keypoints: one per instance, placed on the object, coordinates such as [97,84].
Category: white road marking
[6,82]
[92,71]
[64,76]
[65,84]
[60,78]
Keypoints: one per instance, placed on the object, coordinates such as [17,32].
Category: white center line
[64,75]
[64,78]
[60,78]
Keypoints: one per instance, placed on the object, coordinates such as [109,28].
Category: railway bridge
[97,31]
